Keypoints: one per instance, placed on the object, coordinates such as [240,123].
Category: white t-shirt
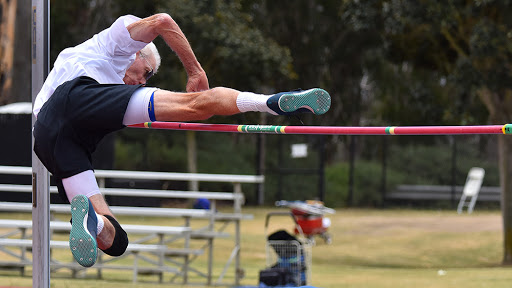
[105,58]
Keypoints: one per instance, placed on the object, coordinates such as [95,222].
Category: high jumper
[99,86]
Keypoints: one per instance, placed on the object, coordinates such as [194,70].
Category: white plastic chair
[471,189]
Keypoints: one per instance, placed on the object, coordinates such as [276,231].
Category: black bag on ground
[276,276]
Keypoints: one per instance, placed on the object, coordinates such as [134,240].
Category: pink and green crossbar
[331,130]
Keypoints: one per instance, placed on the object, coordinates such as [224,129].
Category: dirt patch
[442,223]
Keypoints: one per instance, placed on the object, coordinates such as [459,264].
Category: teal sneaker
[82,239]
[315,100]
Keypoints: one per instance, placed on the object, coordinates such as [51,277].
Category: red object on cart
[311,224]
[309,216]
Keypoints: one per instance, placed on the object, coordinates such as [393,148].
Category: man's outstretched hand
[197,82]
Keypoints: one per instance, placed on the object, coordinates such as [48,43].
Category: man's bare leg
[84,239]
[106,237]
[102,230]
[173,106]
[85,184]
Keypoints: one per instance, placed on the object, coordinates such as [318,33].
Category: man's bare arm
[163,25]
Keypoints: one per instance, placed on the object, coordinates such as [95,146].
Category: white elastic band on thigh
[81,184]
[137,110]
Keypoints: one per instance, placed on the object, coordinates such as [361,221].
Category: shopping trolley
[288,257]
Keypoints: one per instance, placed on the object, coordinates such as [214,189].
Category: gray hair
[150,49]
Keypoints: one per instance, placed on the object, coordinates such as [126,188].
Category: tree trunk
[500,112]
[7,33]
[192,159]
[504,146]
[20,91]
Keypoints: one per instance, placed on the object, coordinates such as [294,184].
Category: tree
[73,22]
[233,52]
[325,52]
[467,44]
[7,20]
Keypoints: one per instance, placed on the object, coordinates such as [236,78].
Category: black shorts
[74,120]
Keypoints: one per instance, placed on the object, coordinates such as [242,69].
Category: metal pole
[321,168]
[260,195]
[454,169]
[259,168]
[280,171]
[352,160]
[384,168]
[40,176]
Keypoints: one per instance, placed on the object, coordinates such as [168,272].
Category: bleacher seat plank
[154,234]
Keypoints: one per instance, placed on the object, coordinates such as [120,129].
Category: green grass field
[370,248]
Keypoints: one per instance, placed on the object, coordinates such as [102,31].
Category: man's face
[141,70]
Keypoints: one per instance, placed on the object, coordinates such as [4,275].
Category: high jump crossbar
[331,130]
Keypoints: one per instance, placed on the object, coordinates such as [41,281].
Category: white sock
[101,223]
[81,184]
[248,101]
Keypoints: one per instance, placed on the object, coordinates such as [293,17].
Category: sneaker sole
[82,244]
[316,100]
